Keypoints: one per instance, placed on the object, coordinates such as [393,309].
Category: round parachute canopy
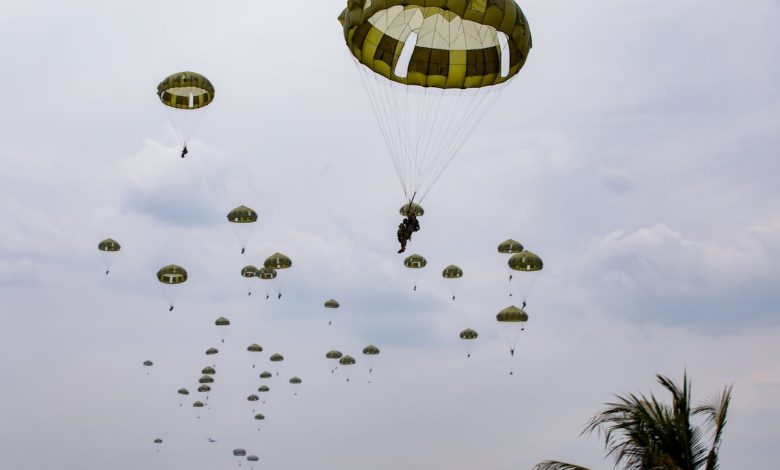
[415,261]
[468,333]
[254,458]
[371,350]
[264,388]
[158,441]
[242,215]
[148,363]
[186,90]
[208,371]
[347,361]
[198,404]
[252,398]
[212,351]
[512,315]
[332,304]
[249,271]
[465,45]
[510,246]
[109,244]
[206,379]
[333,354]
[452,272]
[222,321]
[412,208]
[276,358]
[172,274]
[183,391]
[525,261]
[204,388]
[254,348]
[266,274]
[295,380]
[278,261]
[259,417]
[266,375]
[239,452]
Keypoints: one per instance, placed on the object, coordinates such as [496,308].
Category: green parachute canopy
[204,388]
[158,441]
[253,458]
[264,389]
[276,358]
[249,271]
[183,391]
[186,90]
[412,208]
[295,380]
[253,398]
[198,404]
[254,348]
[455,44]
[259,417]
[239,452]
[266,274]
[371,350]
[212,351]
[206,379]
[222,321]
[148,363]
[452,272]
[208,371]
[277,261]
[468,333]
[512,315]
[510,246]
[110,245]
[332,304]
[242,215]
[347,361]
[525,261]
[266,375]
[415,261]
[172,275]
[333,354]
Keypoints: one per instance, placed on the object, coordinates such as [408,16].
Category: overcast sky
[636,152]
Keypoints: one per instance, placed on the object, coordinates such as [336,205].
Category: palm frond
[555,465]
[715,414]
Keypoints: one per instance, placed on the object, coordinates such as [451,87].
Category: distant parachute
[206,379]
[415,262]
[254,348]
[469,336]
[158,441]
[527,264]
[110,248]
[266,375]
[221,323]
[197,406]
[249,273]
[331,305]
[268,275]
[513,322]
[208,371]
[510,246]
[148,364]
[276,359]
[184,96]
[242,218]
[345,362]
[371,352]
[295,382]
[278,261]
[334,355]
[182,392]
[453,274]
[212,351]
[171,276]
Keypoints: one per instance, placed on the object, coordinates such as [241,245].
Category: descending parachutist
[170,309]
[267,296]
[243,250]
[184,152]
[279,296]
[106,272]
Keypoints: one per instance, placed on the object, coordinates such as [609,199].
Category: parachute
[415,262]
[204,389]
[510,246]
[347,361]
[208,371]
[266,375]
[222,322]
[148,364]
[172,277]
[412,208]
[268,275]
[197,406]
[371,352]
[333,355]
[182,392]
[252,400]
[513,321]
[453,273]
[110,248]
[469,336]
[254,348]
[206,379]
[258,417]
[331,305]
[278,261]
[295,382]
[184,96]
[528,265]
[432,71]
[249,272]
[276,358]
[158,441]
[212,351]
[242,218]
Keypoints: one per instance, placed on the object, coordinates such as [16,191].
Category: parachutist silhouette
[171,308]
[184,152]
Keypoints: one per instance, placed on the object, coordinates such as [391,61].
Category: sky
[636,153]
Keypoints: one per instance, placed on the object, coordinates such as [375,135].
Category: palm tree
[641,433]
